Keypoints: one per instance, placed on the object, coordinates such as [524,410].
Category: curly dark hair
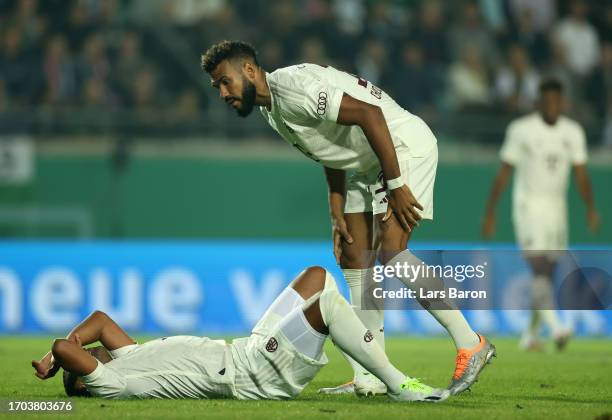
[551,84]
[227,50]
[70,385]
[70,379]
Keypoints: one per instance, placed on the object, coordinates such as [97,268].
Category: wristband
[392,184]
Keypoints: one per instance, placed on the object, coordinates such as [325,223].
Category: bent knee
[60,347]
[310,281]
[393,243]
[392,237]
[386,255]
[99,314]
[316,276]
[353,258]
[315,270]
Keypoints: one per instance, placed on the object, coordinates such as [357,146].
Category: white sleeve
[104,382]
[511,149]
[122,351]
[322,101]
[311,102]
[578,146]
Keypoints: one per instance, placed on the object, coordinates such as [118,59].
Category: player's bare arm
[371,120]
[96,327]
[499,185]
[586,192]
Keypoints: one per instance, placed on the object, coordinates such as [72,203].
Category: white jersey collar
[272,101]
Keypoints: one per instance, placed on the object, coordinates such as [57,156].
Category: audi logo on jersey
[322,104]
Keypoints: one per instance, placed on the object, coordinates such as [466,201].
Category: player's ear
[249,70]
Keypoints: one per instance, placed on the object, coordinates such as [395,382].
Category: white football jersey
[170,367]
[305,105]
[543,156]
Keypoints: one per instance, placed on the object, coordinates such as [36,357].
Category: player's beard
[247,102]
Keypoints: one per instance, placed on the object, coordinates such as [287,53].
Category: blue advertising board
[202,287]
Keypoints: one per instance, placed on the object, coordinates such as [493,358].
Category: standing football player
[543,147]
[345,124]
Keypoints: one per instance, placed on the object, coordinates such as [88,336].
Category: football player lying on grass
[282,355]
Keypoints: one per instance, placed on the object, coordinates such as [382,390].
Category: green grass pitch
[575,384]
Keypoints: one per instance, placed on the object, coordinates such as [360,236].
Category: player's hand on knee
[405,206]
[340,233]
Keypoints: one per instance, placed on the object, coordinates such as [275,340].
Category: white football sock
[373,320]
[286,302]
[353,338]
[551,320]
[282,305]
[457,326]
[544,303]
[451,319]
[533,330]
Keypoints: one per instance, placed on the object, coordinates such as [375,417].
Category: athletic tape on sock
[300,333]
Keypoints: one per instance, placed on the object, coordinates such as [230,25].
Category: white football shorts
[365,191]
[540,225]
[268,366]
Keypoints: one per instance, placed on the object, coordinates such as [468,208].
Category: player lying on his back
[282,355]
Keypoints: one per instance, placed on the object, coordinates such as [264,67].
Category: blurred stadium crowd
[102,65]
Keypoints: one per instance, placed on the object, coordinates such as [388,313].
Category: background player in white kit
[543,147]
[282,355]
[346,124]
